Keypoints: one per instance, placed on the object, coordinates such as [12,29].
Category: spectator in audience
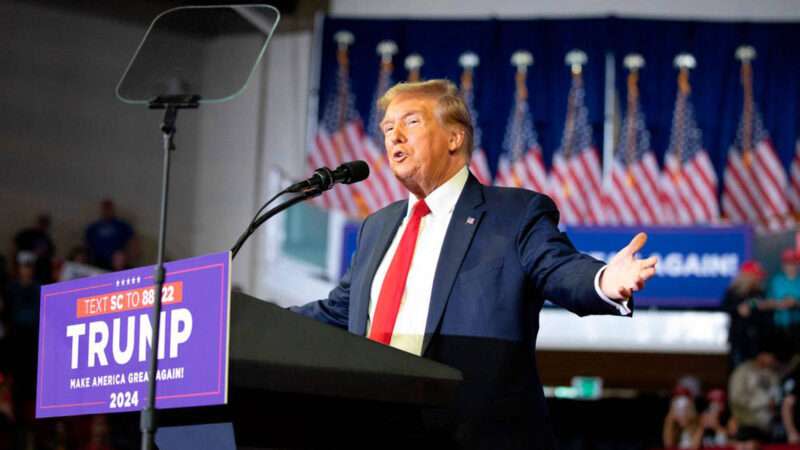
[743,302]
[107,235]
[681,425]
[22,301]
[77,265]
[36,240]
[715,420]
[79,254]
[790,407]
[754,389]
[784,293]
[119,261]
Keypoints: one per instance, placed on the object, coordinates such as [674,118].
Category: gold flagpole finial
[745,53]
[468,62]
[633,62]
[344,39]
[576,59]
[521,59]
[413,63]
[386,50]
[684,62]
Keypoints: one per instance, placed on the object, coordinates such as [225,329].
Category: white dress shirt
[409,328]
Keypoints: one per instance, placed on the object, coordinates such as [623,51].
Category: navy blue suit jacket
[501,258]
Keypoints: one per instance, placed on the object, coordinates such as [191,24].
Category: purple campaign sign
[95,338]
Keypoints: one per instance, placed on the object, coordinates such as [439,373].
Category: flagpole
[608,118]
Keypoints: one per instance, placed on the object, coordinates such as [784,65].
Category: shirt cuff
[621,306]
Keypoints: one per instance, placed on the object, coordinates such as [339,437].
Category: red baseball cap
[790,255]
[753,268]
[681,391]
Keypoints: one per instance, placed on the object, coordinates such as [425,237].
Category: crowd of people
[109,244]
[760,405]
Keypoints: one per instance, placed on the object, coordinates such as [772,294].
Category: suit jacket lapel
[378,248]
[466,218]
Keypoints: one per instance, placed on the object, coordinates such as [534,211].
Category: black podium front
[296,383]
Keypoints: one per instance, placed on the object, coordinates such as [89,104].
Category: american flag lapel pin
[470,220]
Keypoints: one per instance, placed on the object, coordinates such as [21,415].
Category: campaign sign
[95,339]
[696,264]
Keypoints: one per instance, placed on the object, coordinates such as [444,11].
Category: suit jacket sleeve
[335,309]
[557,270]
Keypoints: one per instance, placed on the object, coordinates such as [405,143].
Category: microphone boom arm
[305,195]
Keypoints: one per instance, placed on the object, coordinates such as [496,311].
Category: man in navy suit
[459,272]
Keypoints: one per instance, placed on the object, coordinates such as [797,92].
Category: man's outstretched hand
[626,274]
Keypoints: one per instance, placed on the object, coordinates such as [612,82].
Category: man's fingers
[636,243]
[649,262]
[643,264]
[636,282]
[647,273]
[627,273]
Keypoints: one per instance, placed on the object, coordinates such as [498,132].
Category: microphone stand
[170,105]
[305,195]
[322,180]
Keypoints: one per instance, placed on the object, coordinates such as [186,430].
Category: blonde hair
[450,105]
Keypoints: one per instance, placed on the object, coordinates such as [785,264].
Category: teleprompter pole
[171,105]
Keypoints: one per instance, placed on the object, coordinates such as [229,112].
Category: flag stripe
[700,187]
[565,204]
[739,181]
[774,180]
[342,152]
[590,164]
[480,167]
[623,203]
[327,155]
[367,188]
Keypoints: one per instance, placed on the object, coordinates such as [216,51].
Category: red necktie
[395,281]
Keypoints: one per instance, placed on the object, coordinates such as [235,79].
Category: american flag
[633,191]
[794,176]
[575,177]
[478,164]
[521,163]
[755,183]
[688,183]
[340,138]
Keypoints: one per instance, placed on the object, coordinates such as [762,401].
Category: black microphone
[324,178]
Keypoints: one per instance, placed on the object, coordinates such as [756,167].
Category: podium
[297,383]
